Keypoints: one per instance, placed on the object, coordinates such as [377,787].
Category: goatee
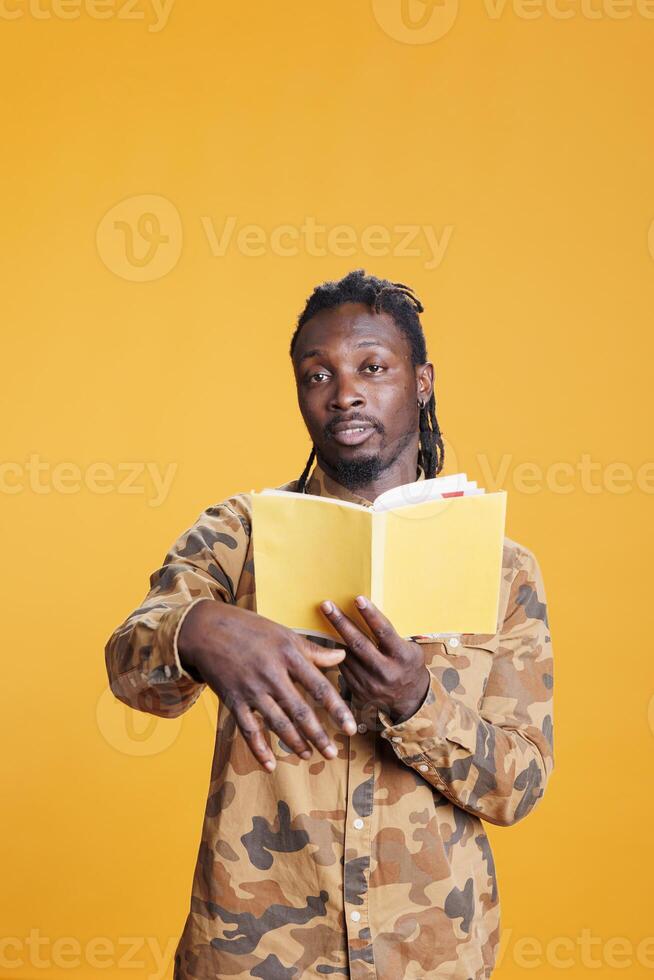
[354,473]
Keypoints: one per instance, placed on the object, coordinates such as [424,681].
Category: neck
[402,470]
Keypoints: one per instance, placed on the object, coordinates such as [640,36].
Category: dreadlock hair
[400,302]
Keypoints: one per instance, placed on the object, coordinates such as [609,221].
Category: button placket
[357,847]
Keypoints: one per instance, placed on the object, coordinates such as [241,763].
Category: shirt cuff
[164,663]
[438,719]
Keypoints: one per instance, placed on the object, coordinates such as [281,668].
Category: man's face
[358,391]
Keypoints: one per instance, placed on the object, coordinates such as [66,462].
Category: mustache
[375,423]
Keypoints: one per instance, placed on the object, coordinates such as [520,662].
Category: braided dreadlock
[398,300]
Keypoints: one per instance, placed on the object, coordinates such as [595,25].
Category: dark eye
[316,374]
[378,368]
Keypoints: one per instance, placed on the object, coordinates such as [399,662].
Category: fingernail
[330,751]
[326,606]
[270,765]
[361,601]
[350,727]
[306,754]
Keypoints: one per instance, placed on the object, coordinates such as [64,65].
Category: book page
[421,490]
[306,549]
[442,565]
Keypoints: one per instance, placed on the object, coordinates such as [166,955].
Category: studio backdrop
[176,177]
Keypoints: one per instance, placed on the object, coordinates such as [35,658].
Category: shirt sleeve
[494,762]
[142,655]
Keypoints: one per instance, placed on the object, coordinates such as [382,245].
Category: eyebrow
[317,351]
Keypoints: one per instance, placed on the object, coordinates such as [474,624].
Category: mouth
[352,433]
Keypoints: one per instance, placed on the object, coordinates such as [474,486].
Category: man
[343,833]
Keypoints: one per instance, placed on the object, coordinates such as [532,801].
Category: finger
[325,660]
[381,627]
[322,656]
[279,722]
[306,722]
[352,668]
[356,683]
[324,693]
[357,641]
[252,730]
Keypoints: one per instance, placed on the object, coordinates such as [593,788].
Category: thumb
[322,656]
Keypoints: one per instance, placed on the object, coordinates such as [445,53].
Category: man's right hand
[252,664]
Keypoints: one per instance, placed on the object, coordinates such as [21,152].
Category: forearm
[498,773]
[146,666]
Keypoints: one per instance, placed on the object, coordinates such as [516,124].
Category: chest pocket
[462,664]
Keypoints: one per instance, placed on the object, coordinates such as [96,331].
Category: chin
[358,468]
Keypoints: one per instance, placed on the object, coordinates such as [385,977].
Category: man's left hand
[391,674]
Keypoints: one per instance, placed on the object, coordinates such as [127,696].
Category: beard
[354,473]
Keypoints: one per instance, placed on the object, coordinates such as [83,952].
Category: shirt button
[362,728]
[355,916]
[453,641]
[423,768]
[358,823]
[395,738]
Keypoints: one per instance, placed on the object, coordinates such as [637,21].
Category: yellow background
[530,138]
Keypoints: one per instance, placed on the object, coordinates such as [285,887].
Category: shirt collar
[320,484]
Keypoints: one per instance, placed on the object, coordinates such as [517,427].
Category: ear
[424,381]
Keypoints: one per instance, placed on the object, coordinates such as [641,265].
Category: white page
[421,490]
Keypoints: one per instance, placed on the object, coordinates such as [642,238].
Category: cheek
[398,411]
[311,413]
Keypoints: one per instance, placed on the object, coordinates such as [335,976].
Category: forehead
[344,327]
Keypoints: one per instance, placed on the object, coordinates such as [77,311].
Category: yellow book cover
[432,563]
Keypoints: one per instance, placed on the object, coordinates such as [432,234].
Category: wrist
[402,710]
[195,635]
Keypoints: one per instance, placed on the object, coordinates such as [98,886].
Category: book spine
[377,558]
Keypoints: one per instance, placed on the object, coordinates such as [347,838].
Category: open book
[428,554]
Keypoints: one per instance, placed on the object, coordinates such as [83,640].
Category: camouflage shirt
[376,863]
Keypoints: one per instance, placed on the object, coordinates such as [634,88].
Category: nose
[345,395]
